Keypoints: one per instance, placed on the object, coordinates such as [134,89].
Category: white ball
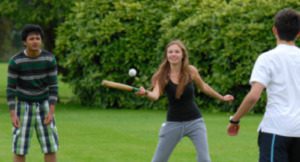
[132,72]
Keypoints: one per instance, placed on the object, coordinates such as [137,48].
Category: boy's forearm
[52,108]
[247,104]
[12,113]
[249,101]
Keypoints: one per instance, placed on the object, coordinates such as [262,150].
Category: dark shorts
[275,148]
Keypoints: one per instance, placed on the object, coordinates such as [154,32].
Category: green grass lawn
[90,134]
[3,80]
[96,135]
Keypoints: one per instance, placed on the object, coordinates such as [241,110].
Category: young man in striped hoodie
[32,95]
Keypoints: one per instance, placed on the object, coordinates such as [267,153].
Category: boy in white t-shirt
[277,70]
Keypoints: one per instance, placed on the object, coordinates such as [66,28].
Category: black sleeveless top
[184,108]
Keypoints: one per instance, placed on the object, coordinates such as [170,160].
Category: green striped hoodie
[32,79]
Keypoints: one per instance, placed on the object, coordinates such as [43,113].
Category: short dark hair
[31,28]
[287,23]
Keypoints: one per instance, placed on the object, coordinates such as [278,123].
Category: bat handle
[134,89]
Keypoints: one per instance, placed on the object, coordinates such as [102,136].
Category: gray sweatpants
[172,132]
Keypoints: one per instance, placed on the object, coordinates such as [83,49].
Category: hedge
[102,40]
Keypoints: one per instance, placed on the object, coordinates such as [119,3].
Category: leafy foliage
[47,13]
[102,40]
[4,39]
[224,40]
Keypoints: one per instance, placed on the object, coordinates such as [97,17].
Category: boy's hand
[48,118]
[14,119]
[233,129]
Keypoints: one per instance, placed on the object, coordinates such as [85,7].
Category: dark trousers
[275,148]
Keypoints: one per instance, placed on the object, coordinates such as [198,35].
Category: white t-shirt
[279,71]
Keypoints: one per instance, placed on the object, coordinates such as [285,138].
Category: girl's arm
[205,88]
[152,95]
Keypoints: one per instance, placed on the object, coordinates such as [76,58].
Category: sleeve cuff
[52,102]
[11,107]
[258,81]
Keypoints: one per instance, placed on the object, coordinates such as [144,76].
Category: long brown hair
[161,76]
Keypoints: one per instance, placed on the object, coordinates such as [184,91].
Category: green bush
[102,40]
[48,14]
[224,40]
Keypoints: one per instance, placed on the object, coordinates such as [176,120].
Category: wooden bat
[120,86]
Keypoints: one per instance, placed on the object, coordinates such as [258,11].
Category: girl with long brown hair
[175,77]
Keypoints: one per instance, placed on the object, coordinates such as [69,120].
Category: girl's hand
[141,92]
[228,98]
